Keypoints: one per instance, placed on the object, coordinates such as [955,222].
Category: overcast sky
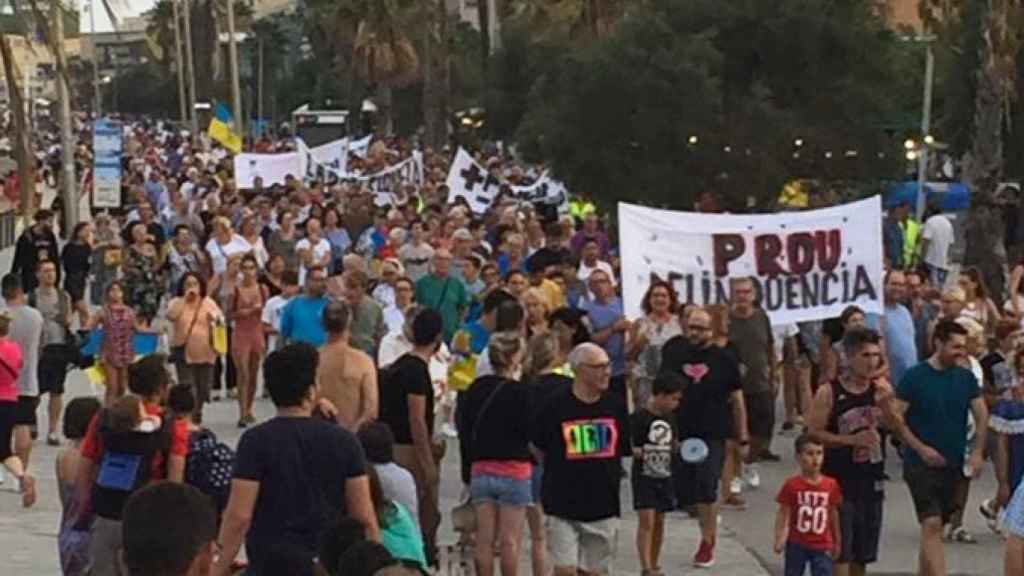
[121,8]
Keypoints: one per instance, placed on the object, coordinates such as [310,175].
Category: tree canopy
[729,96]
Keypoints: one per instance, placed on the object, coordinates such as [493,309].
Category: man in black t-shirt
[581,434]
[294,474]
[407,406]
[715,391]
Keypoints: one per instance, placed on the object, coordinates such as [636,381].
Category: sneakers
[736,486]
[705,557]
[959,534]
[991,515]
[52,439]
[449,431]
[751,476]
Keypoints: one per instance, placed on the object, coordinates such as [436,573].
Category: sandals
[960,534]
[28,491]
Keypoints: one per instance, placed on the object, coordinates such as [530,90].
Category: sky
[121,8]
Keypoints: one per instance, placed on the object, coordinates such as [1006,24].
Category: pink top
[180,312]
[10,367]
[118,348]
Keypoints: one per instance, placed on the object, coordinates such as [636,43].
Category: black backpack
[126,464]
[209,466]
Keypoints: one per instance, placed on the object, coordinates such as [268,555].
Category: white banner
[807,265]
[271,167]
[471,181]
[546,190]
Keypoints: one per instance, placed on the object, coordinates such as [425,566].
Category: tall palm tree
[384,55]
[577,19]
[996,76]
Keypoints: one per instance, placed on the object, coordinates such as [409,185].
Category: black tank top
[859,471]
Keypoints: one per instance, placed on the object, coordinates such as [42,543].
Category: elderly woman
[536,304]
[142,275]
[282,241]
[649,334]
[225,245]
[384,292]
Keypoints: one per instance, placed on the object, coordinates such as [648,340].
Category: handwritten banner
[807,265]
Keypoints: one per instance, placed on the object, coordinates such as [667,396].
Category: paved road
[898,555]
[28,537]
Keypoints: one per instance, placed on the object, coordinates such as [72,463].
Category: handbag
[177,354]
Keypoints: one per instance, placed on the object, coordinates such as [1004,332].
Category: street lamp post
[236,92]
[191,74]
[926,126]
[179,64]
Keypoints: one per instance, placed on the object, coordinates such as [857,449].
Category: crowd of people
[385,334]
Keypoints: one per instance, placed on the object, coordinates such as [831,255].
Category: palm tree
[383,54]
[577,19]
[996,76]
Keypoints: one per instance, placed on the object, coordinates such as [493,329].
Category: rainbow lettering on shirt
[590,439]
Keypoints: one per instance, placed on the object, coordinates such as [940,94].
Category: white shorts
[589,546]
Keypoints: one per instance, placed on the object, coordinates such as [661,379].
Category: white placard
[807,265]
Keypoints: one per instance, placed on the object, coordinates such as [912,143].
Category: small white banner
[807,265]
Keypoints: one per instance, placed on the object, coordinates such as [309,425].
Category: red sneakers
[705,557]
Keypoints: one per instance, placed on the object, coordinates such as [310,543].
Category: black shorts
[74,285]
[53,368]
[760,413]
[932,490]
[26,412]
[8,418]
[652,493]
[860,527]
[698,483]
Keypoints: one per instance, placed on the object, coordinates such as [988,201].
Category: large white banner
[271,167]
[807,265]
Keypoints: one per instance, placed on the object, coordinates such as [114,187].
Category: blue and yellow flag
[222,129]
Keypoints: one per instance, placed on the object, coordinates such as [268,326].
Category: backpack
[209,466]
[126,464]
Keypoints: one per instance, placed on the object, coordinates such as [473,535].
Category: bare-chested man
[346,375]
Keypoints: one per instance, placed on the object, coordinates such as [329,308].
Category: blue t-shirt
[939,402]
[302,320]
[602,316]
[900,344]
[1008,419]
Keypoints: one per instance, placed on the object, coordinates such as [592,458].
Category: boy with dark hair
[807,522]
[396,482]
[655,439]
[169,529]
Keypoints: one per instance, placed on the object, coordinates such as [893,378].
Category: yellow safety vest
[911,231]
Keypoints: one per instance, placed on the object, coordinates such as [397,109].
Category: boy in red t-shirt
[807,523]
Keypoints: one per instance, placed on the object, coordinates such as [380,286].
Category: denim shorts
[535,482]
[500,490]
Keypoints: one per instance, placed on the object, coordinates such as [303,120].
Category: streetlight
[909,144]
[693,140]
[926,115]
[799,142]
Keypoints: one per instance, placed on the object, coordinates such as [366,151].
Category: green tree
[688,96]
[999,50]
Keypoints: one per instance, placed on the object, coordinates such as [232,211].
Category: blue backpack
[209,466]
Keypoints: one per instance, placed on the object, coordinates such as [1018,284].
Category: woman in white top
[251,232]
[313,250]
[649,334]
[224,244]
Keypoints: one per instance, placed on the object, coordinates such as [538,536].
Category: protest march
[396,309]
